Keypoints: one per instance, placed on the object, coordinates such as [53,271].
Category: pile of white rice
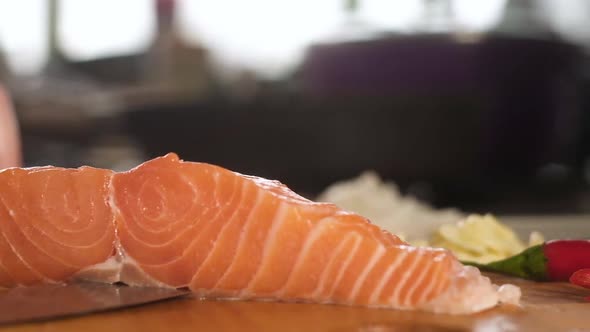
[385,206]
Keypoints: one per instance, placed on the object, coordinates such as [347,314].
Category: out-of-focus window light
[478,15]
[90,29]
[264,35]
[570,18]
[270,36]
[23,38]
[390,15]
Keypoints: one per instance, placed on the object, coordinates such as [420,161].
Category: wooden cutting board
[546,307]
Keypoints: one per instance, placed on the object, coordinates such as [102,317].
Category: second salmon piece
[228,235]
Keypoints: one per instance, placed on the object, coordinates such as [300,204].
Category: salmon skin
[171,223]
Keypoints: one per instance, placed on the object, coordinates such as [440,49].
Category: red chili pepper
[564,257]
[581,278]
[554,260]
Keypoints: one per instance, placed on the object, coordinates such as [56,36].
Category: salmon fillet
[171,223]
[53,223]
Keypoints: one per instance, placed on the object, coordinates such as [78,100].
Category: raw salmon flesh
[170,223]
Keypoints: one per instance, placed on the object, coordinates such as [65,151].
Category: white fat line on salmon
[376,294]
[433,281]
[44,190]
[63,230]
[226,225]
[357,243]
[192,186]
[253,209]
[71,234]
[197,236]
[310,240]
[26,235]
[187,180]
[417,254]
[67,207]
[244,231]
[322,280]
[115,211]
[91,245]
[379,252]
[18,256]
[24,262]
[179,233]
[161,195]
[215,189]
[417,282]
[43,206]
[277,223]
[92,214]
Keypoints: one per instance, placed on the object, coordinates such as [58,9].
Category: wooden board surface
[546,307]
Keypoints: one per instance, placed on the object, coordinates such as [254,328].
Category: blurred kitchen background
[482,105]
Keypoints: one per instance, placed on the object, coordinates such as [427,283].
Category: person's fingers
[10,147]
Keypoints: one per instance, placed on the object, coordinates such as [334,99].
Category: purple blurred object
[524,91]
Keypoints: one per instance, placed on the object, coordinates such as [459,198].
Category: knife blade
[43,302]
